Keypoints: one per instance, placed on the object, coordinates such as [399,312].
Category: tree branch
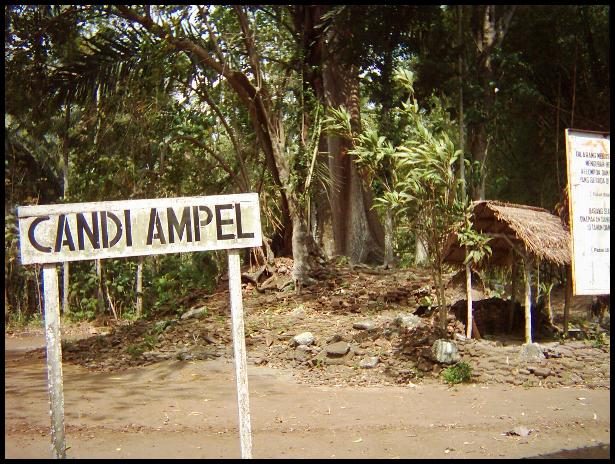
[223,164]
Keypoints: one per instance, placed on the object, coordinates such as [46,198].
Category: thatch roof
[541,233]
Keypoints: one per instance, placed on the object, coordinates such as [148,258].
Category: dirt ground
[187,408]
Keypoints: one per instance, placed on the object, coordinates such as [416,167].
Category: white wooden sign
[589,168]
[113,229]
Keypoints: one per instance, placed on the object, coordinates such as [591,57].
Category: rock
[364,325]
[408,321]
[298,312]
[520,431]
[156,355]
[194,312]
[305,338]
[337,349]
[360,337]
[302,353]
[531,352]
[542,371]
[335,338]
[202,353]
[460,337]
[424,365]
[369,363]
[444,351]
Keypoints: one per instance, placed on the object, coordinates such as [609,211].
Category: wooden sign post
[114,229]
[239,349]
[54,360]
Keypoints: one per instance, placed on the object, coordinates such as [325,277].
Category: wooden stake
[54,360]
[239,349]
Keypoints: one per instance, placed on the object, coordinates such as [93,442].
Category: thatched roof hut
[532,233]
[536,230]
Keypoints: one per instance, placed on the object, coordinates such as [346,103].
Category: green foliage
[475,243]
[139,119]
[597,339]
[460,372]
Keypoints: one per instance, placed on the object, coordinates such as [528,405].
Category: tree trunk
[441,300]
[307,22]
[420,252]
[65,266]
[489,32]
[388,239]
[357,231]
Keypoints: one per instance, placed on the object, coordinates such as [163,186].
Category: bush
[460,372]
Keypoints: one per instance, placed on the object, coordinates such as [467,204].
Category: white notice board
[589,165]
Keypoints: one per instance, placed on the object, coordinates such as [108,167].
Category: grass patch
[459,373]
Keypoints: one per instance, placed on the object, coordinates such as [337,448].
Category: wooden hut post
[513,291]
[470,318]
[528,297]
[537,281]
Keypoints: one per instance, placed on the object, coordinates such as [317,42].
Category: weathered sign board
[114,229]
[53,234]
[589,167]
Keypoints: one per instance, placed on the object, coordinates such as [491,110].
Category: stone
[446,352]
[301,353]
[337,349]
[335,338]
[424,365]
[305,338]
[408,321]
[156,355]
[194,312]
[364,325]
[369,363]
[531,352]
[298,312]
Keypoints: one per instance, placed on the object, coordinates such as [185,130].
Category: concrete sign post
[117,229]
[589,173]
